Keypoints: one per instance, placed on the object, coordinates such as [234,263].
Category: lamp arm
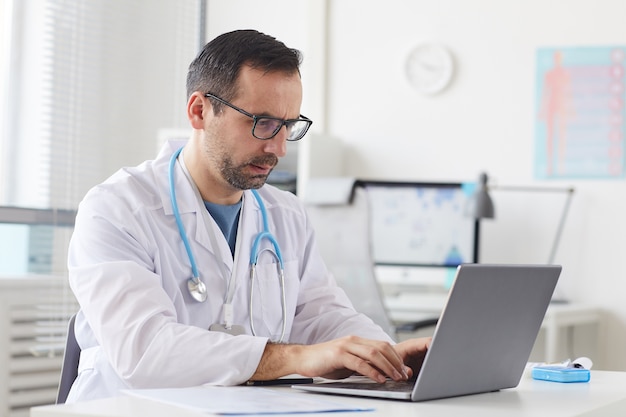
[570,193]
[559,230]
[568,201]
[569,190]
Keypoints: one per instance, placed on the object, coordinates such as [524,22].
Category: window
[85,85]
[85,88]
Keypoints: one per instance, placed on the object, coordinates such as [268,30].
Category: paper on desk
[241,400]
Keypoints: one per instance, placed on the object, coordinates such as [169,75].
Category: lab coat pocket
[267,302]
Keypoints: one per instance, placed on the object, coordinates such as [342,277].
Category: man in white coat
[141,236]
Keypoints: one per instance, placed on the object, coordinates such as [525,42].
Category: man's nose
[278,144]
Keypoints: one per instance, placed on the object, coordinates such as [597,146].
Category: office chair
[69,369]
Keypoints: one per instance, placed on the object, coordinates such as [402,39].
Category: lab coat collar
[184,192]
[185,198]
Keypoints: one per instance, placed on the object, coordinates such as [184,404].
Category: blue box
[560,374]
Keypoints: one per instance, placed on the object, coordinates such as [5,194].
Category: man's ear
[195,110]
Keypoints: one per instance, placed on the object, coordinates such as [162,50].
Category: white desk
[412,307]
[603,396]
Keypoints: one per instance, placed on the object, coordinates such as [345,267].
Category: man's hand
[413,352]
[341,358]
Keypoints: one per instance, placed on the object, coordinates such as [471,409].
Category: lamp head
[481,205]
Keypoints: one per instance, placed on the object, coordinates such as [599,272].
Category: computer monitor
[421,224]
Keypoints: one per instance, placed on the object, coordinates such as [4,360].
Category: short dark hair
[217,66]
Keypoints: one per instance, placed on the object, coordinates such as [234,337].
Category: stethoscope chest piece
[197,289]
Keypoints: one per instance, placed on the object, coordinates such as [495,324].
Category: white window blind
[86,87]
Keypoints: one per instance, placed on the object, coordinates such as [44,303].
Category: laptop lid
[484,337]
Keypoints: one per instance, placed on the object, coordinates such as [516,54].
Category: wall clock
[429,68]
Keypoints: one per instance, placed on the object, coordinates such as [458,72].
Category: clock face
[429,68]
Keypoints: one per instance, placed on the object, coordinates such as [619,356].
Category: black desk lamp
[480,205]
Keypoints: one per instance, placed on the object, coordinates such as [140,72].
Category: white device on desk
[483,339]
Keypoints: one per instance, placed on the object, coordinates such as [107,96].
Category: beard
[235,174]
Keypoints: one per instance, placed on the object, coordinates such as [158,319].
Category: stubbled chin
[257,181]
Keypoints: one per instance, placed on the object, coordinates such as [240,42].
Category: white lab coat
[138,327]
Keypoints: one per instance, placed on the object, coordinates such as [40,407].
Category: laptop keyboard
[390,385]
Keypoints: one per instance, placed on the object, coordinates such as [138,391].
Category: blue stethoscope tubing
[196,287]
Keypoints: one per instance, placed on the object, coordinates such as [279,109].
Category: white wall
[483,122]
[150,50]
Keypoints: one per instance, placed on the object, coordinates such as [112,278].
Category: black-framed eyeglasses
[266,127]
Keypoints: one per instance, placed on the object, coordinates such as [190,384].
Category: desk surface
[604,395]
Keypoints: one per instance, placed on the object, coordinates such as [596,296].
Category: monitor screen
[420,224]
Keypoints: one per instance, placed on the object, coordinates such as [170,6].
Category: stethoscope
[197,288]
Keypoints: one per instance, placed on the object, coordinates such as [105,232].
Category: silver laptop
[482,341]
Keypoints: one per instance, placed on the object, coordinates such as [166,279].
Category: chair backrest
[69,370]
[342,232]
